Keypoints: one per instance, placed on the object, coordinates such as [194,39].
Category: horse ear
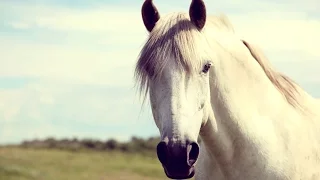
[197,13]
[150,15]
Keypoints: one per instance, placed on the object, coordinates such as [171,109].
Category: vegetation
[135,145]
[52,164]
[73,159]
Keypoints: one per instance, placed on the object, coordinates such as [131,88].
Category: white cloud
[279,31]
[102,19]
[41,109]
[10,102]
[14,133]
[98,44]
[76,64]
[19,25]
[98,20]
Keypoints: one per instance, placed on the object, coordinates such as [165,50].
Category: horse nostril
[162,152]
[193,153]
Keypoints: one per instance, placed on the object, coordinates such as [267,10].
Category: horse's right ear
[150,14]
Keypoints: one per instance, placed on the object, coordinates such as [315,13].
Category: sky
[66,67]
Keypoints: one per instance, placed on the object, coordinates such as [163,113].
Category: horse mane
[176,35]
[283,83]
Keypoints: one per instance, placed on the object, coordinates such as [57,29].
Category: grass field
[42,164]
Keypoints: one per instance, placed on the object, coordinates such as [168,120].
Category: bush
[111,144]
[136,144]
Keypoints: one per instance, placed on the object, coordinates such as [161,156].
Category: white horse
[204,81]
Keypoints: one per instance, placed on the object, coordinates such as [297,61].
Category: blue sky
[66,66]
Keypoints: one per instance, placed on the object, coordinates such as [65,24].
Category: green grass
[43,164]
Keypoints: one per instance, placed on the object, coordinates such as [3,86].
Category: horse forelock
[173,38]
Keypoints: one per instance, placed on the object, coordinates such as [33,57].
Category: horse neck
[244,104]
[249,115]
[239,85]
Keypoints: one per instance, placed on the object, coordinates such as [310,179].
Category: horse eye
[206,68]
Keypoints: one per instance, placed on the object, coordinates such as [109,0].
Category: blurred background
[69,108]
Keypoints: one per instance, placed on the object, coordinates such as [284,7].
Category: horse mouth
[185,174]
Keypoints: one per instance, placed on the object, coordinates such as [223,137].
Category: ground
[49,164]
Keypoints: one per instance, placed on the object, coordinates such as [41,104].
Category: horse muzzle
[178,159]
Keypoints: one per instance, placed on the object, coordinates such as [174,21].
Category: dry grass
[42,164]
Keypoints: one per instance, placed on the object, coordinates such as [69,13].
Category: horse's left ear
[150,14]
[197,13]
